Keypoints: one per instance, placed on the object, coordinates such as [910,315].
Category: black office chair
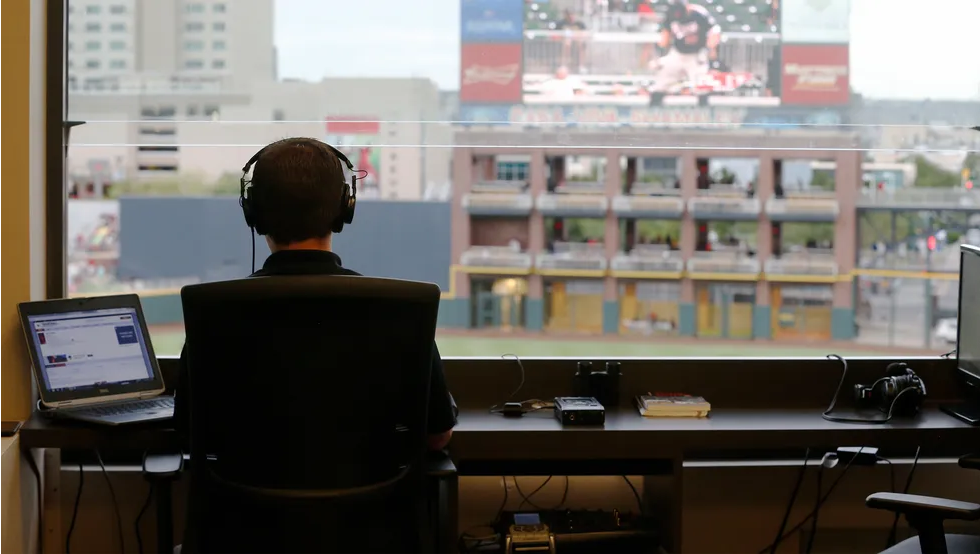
[926,515]
[308,410]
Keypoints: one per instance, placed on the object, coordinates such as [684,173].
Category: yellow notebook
[672,405]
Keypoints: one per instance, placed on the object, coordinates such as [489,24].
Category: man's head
[296,192]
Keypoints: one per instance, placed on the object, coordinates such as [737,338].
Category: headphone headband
[348,195]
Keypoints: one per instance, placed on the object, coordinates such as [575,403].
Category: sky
[906,49]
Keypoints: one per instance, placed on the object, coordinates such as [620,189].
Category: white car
[946,331]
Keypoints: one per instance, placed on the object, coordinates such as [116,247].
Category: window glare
[581,178]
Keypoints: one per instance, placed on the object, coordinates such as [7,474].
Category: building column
[764,189]
[535,290]
[688,166]
[847,186]
[455,312]
[610,298]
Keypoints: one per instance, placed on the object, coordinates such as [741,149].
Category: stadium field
[168,341]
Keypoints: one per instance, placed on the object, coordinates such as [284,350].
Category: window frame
[57,129]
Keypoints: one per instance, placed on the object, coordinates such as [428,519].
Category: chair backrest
[308,401]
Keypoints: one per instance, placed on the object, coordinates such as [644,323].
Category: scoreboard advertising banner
[641,55]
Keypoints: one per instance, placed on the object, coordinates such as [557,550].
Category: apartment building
[517,265]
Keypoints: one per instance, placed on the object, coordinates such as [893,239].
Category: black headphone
[348,195]
[899,393]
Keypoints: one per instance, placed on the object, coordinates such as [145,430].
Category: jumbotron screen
[652,52]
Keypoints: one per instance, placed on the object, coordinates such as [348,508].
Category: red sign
[353,125]
[816,75]
[491,73]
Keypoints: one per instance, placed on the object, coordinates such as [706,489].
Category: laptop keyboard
[134,407]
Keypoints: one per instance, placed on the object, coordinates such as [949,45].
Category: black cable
[253,249]
[497,407]
[503,504]
[139,516]
[948,354]
[636,495]
[115,502]
[891,470]
[792,500]
[564,495]
[40,495]
[833,401]
[816,506]
[893,533]
[74,510]
[798,526]
[526,499]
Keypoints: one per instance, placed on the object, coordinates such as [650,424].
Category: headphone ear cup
[897,369]
[338,223]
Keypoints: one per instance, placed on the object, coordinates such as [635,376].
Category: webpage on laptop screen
[81,350]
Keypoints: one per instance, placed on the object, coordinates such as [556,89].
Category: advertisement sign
[490,73]
[816,75]
[613,116]
[646,53]
[817,21]
[492,20]
[356,136]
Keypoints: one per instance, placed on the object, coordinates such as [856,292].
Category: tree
[929,175]
[823,180]
[724,177]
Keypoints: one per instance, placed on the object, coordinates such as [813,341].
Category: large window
[580,177]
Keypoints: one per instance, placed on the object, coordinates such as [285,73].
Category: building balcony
[920,199]
[807,266]
[804,206]
[574,199]
[496,260]
[724,203]
[650,203]
[573,259]
[728,265]
[499,198]
[652,259]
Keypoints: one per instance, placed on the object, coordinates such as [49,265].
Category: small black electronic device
[528,534]
[579,410]
[899,393]
[10,428]
[589,531]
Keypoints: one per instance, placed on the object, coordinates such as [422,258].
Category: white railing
[804,263]
[574,255]
[625,204]
[488,200]
[730,203]
[572,202]
[914,197]
[649,258]
[723,262]
[495,256]
[804,203]
[504,187]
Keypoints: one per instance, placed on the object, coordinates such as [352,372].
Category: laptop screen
[85,351]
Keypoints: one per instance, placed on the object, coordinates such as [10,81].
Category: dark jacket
[442,407]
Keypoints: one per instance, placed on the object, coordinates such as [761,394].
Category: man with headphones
[297,196]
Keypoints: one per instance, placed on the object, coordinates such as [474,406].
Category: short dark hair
[296,189]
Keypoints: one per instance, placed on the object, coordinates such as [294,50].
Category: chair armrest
[970,461]
[162,466]
[915,506]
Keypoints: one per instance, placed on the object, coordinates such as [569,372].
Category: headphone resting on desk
[900,392]
[252,210]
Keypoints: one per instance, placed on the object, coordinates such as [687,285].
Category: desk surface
[481,435]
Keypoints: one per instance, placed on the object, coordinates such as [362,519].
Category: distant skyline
[909,50]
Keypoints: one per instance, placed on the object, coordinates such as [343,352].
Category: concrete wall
[206,239]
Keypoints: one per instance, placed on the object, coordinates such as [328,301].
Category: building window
[218,64]
[194,26]
[211,111]
[117,27]
[218,45]
[193,64]
[92,64]
[194,8]
[93,45]
[219,7]
[194,45]
[93,9]
[117,45]
[117,64]
[117,9]
[93,27]
[278,115]
[218,26]
[191,110]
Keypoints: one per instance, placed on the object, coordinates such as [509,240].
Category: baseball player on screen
[688,30]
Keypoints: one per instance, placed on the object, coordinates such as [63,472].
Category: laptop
[93,361]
